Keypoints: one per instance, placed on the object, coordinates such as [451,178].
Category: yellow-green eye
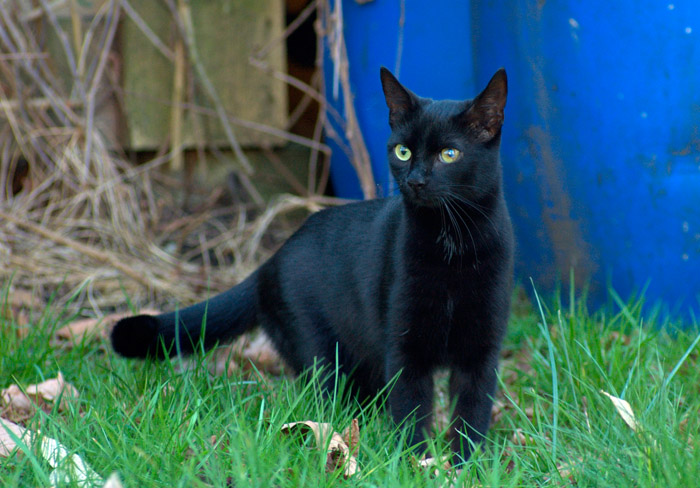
[449,155]
[402,152]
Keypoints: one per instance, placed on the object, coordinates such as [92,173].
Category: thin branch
[146,30]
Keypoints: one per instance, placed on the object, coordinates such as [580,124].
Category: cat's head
[445,151]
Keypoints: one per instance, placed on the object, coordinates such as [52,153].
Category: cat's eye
[402,152]
[450,155]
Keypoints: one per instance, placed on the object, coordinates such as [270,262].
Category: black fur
[405,284]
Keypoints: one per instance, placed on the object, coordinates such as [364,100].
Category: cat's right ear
[484,116]
[400,100]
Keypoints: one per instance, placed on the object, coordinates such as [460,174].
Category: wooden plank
[226,33]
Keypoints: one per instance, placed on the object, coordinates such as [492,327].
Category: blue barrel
[601,144]
[426,43]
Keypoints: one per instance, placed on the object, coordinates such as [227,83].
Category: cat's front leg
[410,399]
[472,389]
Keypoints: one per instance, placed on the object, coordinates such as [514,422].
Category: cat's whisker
[466,226]
[454,215]
[461,199]
[474,224]
[445,236]
[442,214]
[460,188]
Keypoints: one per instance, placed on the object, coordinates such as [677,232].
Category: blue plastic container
[601,145]
[428,46]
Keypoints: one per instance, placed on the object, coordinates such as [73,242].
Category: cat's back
[362,225]
[338,249]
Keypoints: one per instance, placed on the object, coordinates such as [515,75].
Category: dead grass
[80,222]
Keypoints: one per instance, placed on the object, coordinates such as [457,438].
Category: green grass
[554,427]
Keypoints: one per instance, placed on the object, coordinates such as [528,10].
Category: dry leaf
[263,355]
[228,359]
[20,301]
[433,465]
[52,389]
[7,443]
[90,328]
[20,405]
[497,410]
[76,331]
[624,409]
[617,337]
[567,470]
[16,310]
[338,453]
[223,362]
[319,429]
[351,436]
[113,482]
[519,437]
[22,320]
[16,405]
[68,468]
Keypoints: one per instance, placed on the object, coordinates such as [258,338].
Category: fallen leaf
[78,329]
[584,407]
[16,405]
[519,437]
[20,405]
[20,300]
[432,465]
[68,468]
[22,320]
[497,410]
[113,482]
[16,308]
[617,337]
[242,353]
[52,389]
[319,429]
[7,442]
[263,355]
[351,436]
[567,470]
[223,362]
[624,409]
[338,453]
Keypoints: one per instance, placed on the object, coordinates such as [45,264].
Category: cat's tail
[218,319]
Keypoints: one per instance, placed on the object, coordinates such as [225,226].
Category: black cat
[395,286]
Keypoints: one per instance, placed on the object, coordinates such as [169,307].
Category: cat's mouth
[420,197]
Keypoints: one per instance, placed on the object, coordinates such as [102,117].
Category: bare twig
[146,30]
[266,129]
[332,30]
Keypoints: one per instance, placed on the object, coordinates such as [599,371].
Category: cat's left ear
[484,117]
[400,100]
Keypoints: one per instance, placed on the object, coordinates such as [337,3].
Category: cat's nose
[416,181]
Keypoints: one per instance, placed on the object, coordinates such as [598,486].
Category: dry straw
[77,220]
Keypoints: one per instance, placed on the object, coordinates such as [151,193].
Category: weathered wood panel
[226,32]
